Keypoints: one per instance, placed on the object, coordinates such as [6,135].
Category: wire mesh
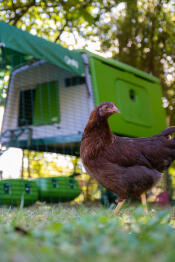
[52,103]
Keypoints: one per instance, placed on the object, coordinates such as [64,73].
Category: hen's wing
[156,152]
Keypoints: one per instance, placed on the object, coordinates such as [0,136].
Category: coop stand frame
[13,136]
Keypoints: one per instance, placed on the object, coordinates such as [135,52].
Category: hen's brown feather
[121,164]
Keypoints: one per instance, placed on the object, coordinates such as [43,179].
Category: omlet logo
[70,61]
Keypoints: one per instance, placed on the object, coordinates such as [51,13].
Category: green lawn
[83,234]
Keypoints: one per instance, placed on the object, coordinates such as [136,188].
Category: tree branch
[22,13]
[62,29]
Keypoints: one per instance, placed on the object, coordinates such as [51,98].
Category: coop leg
[143,200]
[119,205]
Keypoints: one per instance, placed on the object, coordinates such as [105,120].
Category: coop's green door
[134,103]
[46,106]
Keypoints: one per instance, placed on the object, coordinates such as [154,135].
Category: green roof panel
[22,44]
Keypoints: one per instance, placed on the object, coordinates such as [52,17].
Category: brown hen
[125,166]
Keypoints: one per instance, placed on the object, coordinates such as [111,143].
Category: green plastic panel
[13,192]
[46,106]
[138,99]
[57,189]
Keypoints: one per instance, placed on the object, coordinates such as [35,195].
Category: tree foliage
[141,33]
[50,19]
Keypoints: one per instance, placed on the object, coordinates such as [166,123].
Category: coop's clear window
[26,107]
[74,81]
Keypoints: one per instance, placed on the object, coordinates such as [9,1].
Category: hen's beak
[115,110]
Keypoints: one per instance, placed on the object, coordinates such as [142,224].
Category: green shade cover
[23,46]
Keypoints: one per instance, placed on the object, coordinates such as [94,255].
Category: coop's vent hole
[132,94]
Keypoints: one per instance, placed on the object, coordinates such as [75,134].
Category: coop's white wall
[75,103]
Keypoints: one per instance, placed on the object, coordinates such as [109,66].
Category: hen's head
[107,109]
[104,110]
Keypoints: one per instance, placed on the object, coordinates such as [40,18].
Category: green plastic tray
[57,189]
[18,191]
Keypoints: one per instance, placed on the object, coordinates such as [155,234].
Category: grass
[83,234]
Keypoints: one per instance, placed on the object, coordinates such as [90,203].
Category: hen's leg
[119,205]
[143,200]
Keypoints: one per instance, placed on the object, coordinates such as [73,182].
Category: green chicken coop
[52,90]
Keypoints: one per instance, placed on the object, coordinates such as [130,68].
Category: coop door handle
[54,183]
[27,188]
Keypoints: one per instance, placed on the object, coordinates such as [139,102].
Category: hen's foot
[119,205]
[143,200]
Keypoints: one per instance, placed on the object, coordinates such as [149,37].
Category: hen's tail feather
[168,131]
